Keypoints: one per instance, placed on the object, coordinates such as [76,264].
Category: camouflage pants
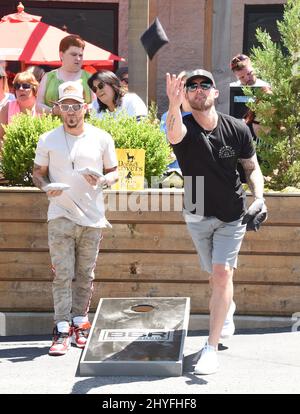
[73,250]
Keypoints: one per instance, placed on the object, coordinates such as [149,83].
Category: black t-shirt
[214,156]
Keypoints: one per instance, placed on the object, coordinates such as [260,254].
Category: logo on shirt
[226,152]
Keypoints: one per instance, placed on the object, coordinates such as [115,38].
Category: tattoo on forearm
[38,179]
[37,182]
[171,123]
[254,176]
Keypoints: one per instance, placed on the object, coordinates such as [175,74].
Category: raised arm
[176,130]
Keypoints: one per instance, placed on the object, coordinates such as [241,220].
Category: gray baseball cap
[199,73]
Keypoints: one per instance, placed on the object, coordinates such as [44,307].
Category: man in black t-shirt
[208,145]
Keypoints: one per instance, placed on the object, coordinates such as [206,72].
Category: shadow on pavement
[84,386]
[252,331]
[23,354]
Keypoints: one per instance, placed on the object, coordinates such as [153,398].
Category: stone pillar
[221,40]
[138,12]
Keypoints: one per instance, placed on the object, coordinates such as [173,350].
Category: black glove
[256,214]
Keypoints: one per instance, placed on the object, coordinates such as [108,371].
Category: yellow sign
[131,166]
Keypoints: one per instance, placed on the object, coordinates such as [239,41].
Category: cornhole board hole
[137,336]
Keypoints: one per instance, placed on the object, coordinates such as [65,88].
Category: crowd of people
[81,159]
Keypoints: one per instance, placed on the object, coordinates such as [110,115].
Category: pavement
[252,362]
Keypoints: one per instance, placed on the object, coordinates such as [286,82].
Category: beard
[202,105]
[72,122]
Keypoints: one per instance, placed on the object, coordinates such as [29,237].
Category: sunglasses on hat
[235,62]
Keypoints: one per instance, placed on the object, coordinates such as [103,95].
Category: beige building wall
[183,22]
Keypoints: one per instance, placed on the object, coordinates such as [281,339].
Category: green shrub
[20,140]
[146,134]
[21,137]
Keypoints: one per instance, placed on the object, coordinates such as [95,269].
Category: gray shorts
[216,242]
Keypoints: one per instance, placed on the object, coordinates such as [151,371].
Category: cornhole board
[137,336]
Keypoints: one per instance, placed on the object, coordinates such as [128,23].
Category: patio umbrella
[24,38]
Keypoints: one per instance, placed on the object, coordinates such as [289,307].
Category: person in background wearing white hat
[208,145]
[68,164]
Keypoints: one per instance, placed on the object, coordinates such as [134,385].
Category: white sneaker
[208,362]
[229,327]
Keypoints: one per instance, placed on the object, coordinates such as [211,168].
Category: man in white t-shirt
[76,211]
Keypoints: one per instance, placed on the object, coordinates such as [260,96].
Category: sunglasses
[125,80]
[18,86]
[204,86]
[99,86]
[236,60]
[74,107]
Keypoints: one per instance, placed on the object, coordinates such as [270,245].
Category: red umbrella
[24,38]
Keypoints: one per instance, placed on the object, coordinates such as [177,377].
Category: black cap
[154,38]
[199,73]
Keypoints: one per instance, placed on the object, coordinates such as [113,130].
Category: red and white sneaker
[61,342]
[80,334]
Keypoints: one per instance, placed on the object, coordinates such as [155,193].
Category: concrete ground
[252,362]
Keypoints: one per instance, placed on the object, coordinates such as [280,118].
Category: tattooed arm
[176,130]
[40,179]
[40,176]
[254,176]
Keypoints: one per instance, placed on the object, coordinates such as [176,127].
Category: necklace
[69,151]
[207,134]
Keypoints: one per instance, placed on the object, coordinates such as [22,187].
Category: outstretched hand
[175,90]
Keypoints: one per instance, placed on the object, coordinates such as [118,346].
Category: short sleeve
[134,105]
[41,154]
[247,147]
[110,156]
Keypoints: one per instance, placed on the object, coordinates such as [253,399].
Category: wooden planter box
[149,253]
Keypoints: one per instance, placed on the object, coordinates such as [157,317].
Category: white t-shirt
[258,83]
[131,104]
[8,97]
[82,203]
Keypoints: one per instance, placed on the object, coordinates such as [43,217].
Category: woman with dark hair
[71,50]
[111,97]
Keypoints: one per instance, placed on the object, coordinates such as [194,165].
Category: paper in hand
[56,186]
[90,171]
